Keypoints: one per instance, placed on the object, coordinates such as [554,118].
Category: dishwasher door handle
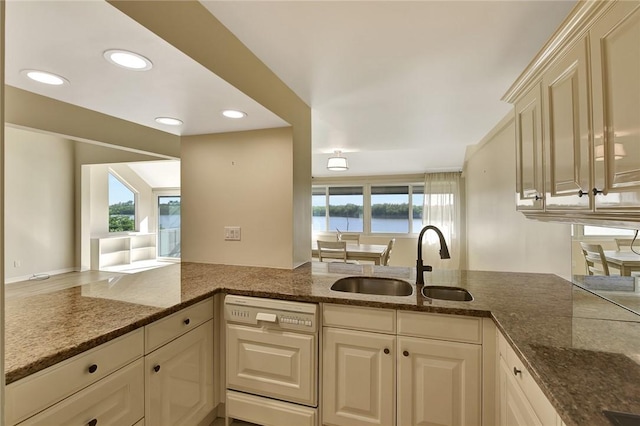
[263,316]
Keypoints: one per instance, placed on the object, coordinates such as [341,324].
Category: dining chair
[332,251]
[349,237]
[387,254]
[623,243]
[594,257]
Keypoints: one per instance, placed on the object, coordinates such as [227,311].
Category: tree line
[378,211]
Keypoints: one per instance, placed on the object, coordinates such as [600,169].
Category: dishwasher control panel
[270,313]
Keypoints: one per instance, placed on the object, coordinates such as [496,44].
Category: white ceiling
[400,87]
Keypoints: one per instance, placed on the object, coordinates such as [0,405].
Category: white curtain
[441,208]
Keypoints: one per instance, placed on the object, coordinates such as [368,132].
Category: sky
[118,193]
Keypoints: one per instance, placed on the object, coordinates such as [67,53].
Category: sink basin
[373,285]
[447,293]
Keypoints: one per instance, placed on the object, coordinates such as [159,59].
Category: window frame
[366,214]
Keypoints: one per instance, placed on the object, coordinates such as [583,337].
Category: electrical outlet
[232,233]
[17,264]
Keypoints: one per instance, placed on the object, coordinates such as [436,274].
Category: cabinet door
[515,409]
[179,379]
[566,98]
[439,382]
[358,378]
[615,63]
[529,178]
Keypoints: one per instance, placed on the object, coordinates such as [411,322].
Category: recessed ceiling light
[128,60]
[45,77]
[169,121]
[232,113]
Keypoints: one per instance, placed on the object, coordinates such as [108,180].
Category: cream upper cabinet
[529,172]
[566,128]
[590,115]
[615,68]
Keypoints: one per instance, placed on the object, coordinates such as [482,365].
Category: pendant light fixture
[337,162]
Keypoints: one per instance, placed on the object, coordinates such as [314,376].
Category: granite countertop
[582,350]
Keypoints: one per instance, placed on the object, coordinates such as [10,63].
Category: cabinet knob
[581,193]
[405,353]
[156,368]
[516,371]
[386,351]
[187,321]
[92,422]
[537,197]
[597,191]
[93,368]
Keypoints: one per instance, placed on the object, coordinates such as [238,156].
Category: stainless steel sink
[373,285]
[447,293]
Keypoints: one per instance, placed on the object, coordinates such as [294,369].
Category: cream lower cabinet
[392,376]
[179,379]
[439,382]
[117,383]
[521,401]
[179,373]
[103,385]
[359,378]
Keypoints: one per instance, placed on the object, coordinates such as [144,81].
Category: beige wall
[498,237]
[238,179]
[190,27]
[39,204]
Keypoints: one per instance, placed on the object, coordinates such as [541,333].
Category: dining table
[624,260]
[364,252]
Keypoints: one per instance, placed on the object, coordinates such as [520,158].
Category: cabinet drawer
[359,318]
[538,400]
[268,412]
[34,393]
[444,327]
[116,400]
[173,326]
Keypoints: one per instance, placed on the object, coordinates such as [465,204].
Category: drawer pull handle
[187,321]
[92,422]
[386,351]
[516,371]
[93,368]
[405,353]
[597,191]
[156,368]
[582,193]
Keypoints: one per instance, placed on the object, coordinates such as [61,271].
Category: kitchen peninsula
[580,349]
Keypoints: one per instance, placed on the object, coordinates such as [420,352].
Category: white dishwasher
[272,361]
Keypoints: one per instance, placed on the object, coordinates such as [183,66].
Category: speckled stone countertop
[582,350]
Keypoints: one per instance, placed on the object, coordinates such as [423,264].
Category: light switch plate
[232,233]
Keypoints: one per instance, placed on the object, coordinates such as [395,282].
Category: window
[122,206]
[169,226]
[319,209]
[345,209]
[390,209]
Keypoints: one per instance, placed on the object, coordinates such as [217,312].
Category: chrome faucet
[444,253]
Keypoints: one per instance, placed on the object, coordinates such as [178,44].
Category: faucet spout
[444,253]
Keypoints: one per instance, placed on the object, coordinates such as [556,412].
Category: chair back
[623,243]
[594,257]
[335,250]
[349,237]
[387,254]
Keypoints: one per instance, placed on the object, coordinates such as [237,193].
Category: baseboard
[41,274]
